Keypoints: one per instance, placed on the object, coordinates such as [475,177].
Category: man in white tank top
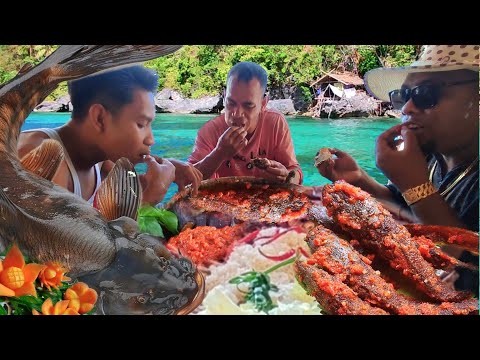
[111,118]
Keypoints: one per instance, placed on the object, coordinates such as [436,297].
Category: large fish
[51,224]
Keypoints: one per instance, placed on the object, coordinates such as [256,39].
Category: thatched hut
[343,95]
[337,85]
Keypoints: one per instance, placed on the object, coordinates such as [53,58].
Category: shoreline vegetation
[192,79]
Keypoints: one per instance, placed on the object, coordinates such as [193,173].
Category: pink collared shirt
[271,140]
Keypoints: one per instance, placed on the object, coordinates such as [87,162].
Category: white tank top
[77,188]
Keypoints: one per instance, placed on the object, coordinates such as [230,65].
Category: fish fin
[120,194]
[29,88]
[45,159]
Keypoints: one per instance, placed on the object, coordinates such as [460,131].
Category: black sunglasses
[423,96]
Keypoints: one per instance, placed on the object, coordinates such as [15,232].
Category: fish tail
[31,86]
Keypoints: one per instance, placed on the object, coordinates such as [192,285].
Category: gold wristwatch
[419,192]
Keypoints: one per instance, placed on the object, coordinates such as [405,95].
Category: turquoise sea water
[175,134]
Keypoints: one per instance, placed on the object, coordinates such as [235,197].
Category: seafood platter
[267,248]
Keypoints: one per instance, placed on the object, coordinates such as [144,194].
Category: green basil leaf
[166,218]
[147,211]
[150,225]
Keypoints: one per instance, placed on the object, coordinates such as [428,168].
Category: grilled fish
[228,200]
[338,258]
[366,220]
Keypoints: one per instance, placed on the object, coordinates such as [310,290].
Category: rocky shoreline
[171,101]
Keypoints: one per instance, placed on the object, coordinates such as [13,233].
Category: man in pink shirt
[227,144]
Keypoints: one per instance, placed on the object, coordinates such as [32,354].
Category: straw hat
[379,82]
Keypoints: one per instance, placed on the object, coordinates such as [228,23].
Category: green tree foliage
[369,58]
[199,70]
[14,57]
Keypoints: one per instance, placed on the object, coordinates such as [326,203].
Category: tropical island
[323,81]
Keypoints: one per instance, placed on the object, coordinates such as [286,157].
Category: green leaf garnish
[259,286]
[149,215]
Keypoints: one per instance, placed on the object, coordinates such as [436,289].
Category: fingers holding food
[232,141]
[324,154]
[261,163]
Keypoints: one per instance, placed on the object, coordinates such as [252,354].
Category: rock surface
[360,105]
[284,106]
[293,102]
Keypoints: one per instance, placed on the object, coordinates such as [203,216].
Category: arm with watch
[408,171]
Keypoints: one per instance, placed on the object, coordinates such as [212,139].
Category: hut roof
[345,78]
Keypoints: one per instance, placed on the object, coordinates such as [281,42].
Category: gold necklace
[457,180]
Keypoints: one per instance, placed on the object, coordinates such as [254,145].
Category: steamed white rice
[225,298]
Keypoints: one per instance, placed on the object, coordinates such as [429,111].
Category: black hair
[112,89]
[246,71]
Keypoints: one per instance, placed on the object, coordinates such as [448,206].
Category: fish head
[139,282]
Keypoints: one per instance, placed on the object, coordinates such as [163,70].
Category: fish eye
[142,299]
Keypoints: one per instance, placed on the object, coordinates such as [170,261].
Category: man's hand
[186,174]
[232,141]
[407,168]
[275,171]
[344,167]
[155,182]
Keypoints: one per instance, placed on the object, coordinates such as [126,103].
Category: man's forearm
[373,187]
[154,197]
[434,210]
[210,164]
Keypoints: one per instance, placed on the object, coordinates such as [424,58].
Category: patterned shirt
[463,198]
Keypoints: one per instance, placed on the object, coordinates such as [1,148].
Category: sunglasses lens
[425,97]
[397,98]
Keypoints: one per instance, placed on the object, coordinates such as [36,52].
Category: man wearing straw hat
[435,176]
